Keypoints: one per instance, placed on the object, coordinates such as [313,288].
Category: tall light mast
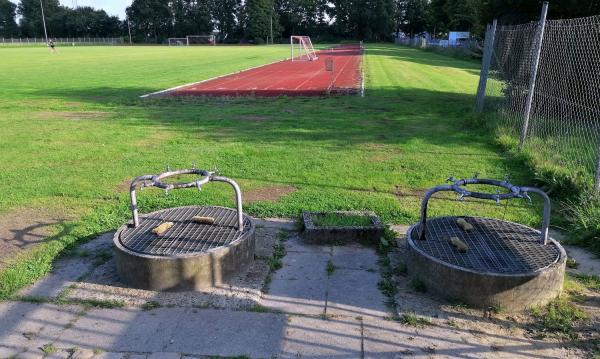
[44,21]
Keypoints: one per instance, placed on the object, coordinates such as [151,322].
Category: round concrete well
[504,266]
[189,255]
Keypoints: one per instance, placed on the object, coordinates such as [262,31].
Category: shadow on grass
[389,116]
[424,58]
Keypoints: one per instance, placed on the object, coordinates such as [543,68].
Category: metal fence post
[488,49]
[597,174]
[537,49]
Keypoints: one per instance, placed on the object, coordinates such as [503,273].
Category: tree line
[153,21]
[61,21]
[437,17]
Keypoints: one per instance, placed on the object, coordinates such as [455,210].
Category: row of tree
[440,16]
[154,20]
[61,21]
[257,20]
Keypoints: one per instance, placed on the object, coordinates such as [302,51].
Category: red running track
[287,78]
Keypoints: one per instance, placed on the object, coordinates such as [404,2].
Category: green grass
[330,267]
[151,305]
[590,281]
[413,320]
[75,132]
[48,349]
[341,220]
[558,316]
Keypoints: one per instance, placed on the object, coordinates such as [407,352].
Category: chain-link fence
[543,81]
[68,41]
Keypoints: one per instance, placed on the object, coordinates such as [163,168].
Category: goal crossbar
[302,49]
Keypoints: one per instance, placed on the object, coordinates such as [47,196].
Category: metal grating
[186,236]
[494,246]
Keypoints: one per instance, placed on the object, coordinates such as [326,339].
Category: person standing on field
[51,44]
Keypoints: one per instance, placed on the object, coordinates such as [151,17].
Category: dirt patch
[71,115]
[253,118]
[25,228]
[270,194]
[403,192]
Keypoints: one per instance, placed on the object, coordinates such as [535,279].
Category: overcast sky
[112,7]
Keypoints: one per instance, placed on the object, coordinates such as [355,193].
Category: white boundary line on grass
[162,92]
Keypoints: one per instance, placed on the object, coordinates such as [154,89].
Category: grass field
[74,133]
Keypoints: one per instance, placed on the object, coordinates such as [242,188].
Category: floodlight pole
[44,21]
[271,29]
[129,29]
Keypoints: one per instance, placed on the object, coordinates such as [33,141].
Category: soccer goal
[178,41]
[302,49]
[201,40]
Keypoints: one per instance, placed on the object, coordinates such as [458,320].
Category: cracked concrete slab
[355,293]
[228,333]
[122,329]
[309,337]
[300,286]
[355,256]
[296,297]
[30,325]
[295,244]
[303,266]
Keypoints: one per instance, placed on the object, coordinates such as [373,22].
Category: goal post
[201,40]
[302,49]
[178,41]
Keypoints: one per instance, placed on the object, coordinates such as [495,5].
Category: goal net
[302,49]
[201,40]
[178,41]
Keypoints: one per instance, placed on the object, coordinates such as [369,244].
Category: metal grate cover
[186,236]
[495,246]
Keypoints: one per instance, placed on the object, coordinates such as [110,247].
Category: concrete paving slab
[63,354]
[400,229]
[387,339]
[288,224]
[588,263]
[83,354]
[137,356]
[355,293]
[109,355]
[31,325]
[31,354]
[303,266]
[295,244]
[164,355]
[228,333]
[265,240]
[355,256]
[308,337]
[123,329]
[9,352]
[296,296]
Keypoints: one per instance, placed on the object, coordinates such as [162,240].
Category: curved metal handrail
[157,181]
[458,186]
